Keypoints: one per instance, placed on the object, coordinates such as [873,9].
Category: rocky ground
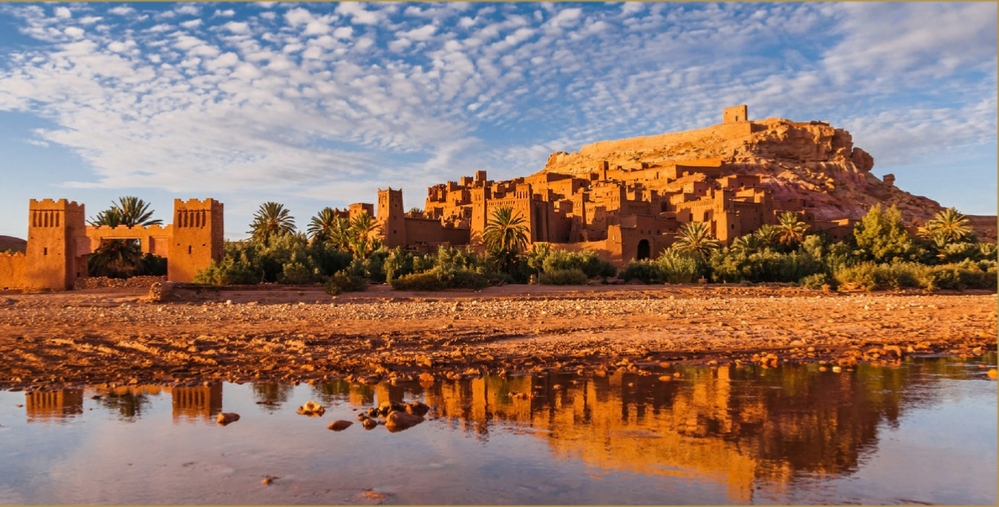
[298,335]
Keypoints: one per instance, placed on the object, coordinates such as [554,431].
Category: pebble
[339,425]
[226,418]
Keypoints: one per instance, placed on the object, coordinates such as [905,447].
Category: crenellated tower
[392,217]
[197,238]
[57,248]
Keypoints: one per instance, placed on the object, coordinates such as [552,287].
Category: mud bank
[287,334]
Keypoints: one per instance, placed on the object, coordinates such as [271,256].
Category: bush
[342,282]
[965,275]
[438,279]
[676,267]
[232,270]
[297,273]
[763,266]
[587,261]
[564,277]
[644,270]
[870,276]
[816,281]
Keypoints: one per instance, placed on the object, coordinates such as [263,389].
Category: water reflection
[48,406]
[742,427]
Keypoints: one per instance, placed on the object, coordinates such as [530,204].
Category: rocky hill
[795,160]
[12,243]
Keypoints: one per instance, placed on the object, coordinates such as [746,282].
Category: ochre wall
[197,238]
[12,270]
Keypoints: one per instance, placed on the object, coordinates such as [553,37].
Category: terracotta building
[59,242]
[622,213]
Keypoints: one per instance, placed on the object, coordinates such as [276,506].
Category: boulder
[339,425]
[226,418]
[312,409]
[398,421]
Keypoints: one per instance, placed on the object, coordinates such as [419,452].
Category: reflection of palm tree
[271,219]
[271,395]
[129,405]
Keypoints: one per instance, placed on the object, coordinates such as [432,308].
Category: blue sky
[316,105]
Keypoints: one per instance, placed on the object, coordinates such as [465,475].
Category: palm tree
[767,235]
[948,226]
[271,219]
[505,235]
[747,244]
[695,238]
[362,226]
[790,229]
[322,226]
[129,211]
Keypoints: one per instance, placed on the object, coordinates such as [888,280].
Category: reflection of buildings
[204,402]
[47,406]
[728,424]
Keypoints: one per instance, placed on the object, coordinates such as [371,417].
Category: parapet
[50,204]
[125,228]
[735,114]
[208,203]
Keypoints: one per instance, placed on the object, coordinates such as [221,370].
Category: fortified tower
[735,114]
[392,217]
[197,238]
[57,248]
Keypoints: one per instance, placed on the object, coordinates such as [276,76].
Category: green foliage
[677,267]
[695,238]
[956,276]
[948,226]
[763,266]
[505,236]
[398,263]
[342,282]
[790,230]
[817,281]
[573,276]
[586,261]
[236,268]
[644,270]
[439,279]
[360,236]
[123,258]
[129,211]
[882,237]
[326,226]
[271,219]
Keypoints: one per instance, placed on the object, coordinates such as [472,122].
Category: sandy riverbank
[299,335]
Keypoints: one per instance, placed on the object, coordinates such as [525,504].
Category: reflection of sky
[943,449]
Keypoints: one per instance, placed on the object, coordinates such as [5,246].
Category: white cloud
[237,27]
[343,32]
[298,16]
[74,32]
[188,10]
[422,33]
[89,20]
[63,13]
[194,23]
[121,10]
[228,13]
[358,14]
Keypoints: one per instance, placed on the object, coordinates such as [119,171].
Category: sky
[321,104]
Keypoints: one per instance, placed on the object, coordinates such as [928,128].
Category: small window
[189,249]
[45,251]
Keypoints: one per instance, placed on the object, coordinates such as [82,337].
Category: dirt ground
[287,334]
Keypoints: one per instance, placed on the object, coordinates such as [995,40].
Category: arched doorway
[644,250]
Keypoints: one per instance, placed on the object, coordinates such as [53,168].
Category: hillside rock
[812,161]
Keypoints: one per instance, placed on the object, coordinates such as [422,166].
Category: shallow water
[922,432]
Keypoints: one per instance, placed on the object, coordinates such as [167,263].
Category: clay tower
[392,217]
[197,238]
[57,244]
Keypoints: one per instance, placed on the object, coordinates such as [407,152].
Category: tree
[327,226]
[505,236]
[882,235]
[122,258]
[750,243]
[790,229]
[416,212]
[271,219]
[362,227]
[947,226]
[129,211]
[695,238]
[767,235]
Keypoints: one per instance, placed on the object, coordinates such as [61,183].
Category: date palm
[767,235]
[505,235]
[271,219]
[695,238]
[790,229]
[947,226]
[747,244]
[129,211]
[362,227]
[327,226]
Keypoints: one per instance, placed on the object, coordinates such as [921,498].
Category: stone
[369,424]
[339,425]
[417,408]
[312,409]
[398,421]
[992,373]
[226,418]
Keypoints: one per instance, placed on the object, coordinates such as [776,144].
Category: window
[45,251]
[189,249]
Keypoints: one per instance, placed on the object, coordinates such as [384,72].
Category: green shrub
[645,270]
[676,267]
[586,261]
[398,263]
[438,279]
[232,270]
[297,273]
[564,277]
[816,281]
[899,275]
[342,282]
